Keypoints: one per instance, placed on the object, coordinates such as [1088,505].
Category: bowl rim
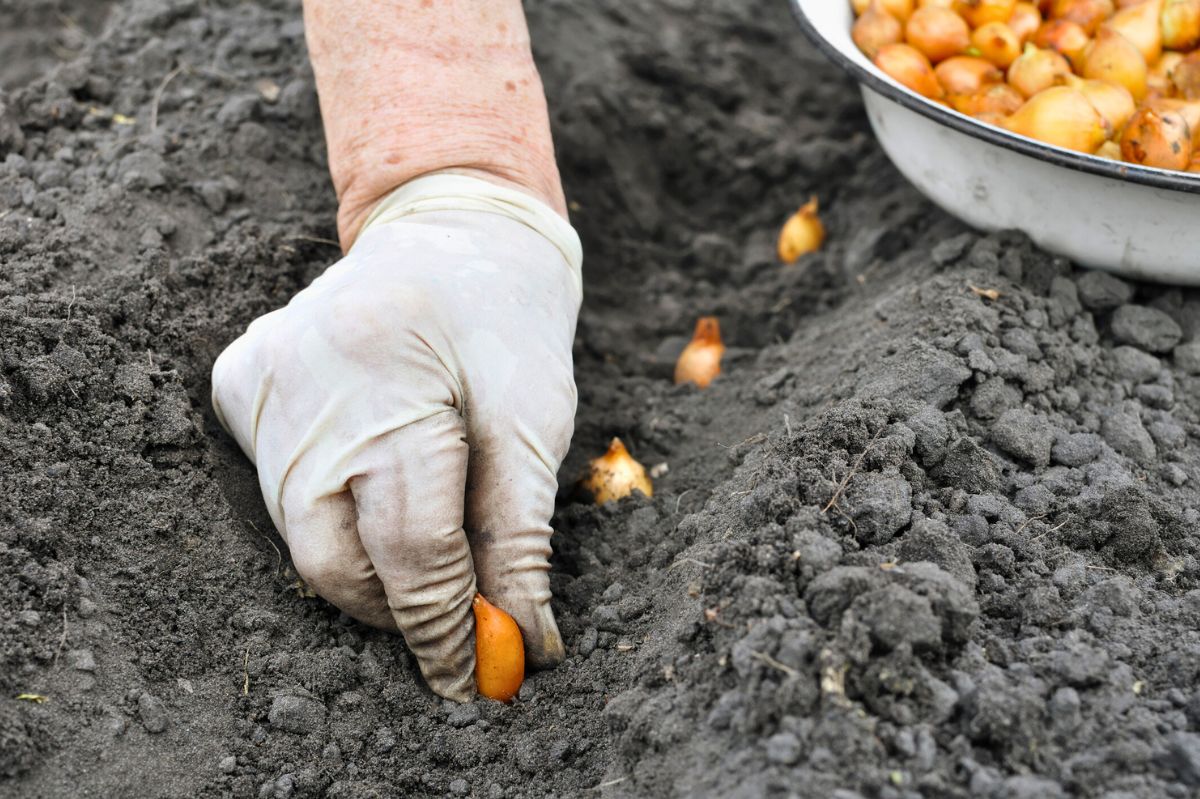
[1128,173]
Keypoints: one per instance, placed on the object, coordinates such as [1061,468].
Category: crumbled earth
[919,539]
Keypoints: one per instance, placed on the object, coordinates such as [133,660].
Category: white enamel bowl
[1135,221]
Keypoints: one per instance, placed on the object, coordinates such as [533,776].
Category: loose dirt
[914,542]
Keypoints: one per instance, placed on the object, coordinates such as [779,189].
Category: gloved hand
[408,412]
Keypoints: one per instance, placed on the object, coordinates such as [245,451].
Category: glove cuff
[449,191]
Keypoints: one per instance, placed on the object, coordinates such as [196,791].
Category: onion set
[616,475]
[700,361]
[499,651]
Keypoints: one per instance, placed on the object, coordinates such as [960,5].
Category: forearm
[409,87]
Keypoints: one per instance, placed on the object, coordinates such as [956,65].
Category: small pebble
[1145,328]
[227,764]
[783,749]
[152,713]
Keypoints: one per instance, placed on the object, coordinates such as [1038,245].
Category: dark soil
[915,542]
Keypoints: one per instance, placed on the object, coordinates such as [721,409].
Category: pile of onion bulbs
[1115,78]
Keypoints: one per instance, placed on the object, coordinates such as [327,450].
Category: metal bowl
[1135,221]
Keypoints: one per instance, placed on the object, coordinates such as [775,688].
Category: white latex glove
[408,412]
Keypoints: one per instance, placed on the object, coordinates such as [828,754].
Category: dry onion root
[616,475]
[1119,79]
[700,361]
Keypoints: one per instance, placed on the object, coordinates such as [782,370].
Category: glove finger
[511,486]
[322,536]
[237,388]
[409,495]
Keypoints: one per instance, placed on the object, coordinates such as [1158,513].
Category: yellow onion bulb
[996,42]
[937,32]
[996,100]
[1088,14]
[1113,102]
[964,74]
[875,28]
[1180,23]
[1157,139]
[910,68]
[1114,58]
[1160,80]
[1061,116]
[802,233]
[980,12]
[1025,21]
[1140,25]
[1037,70]
[1063,36]
[900,9]
[616,475]
[1186,77]
[700,361]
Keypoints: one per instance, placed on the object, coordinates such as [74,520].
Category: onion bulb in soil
[909,67]
[801,234]
[499,652]
[1060,116]
[700,361]
[875,28]
[1157,139]
[616,475]
[1180,22]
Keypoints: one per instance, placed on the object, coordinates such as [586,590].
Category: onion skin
[875,28]
[909,67]
[700,361]
[966,74]
[616,475]
[1060,116]
[1162,140]
[938,33]
[1180,23]
[1114,58]
[801,234]
[1037,70]
[499,652]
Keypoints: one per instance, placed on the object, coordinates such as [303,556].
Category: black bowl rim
[1128,173]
